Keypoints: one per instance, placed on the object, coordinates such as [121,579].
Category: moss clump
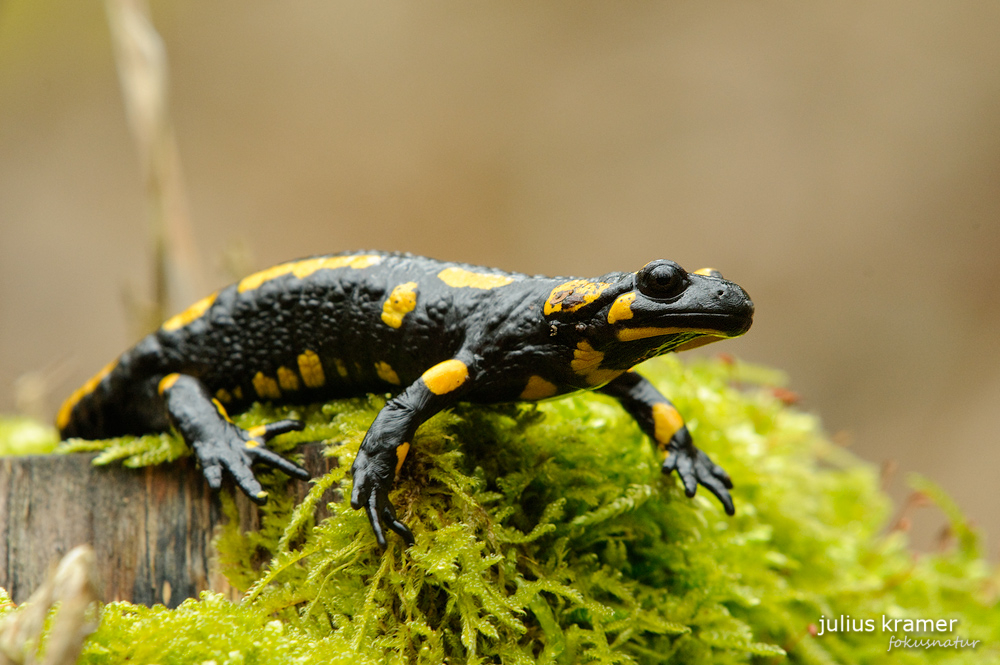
[546,534]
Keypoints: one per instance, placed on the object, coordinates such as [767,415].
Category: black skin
[490,337]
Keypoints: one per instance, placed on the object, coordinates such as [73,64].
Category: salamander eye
[661,279]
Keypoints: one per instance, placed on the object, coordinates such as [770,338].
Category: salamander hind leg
[664,425]
[220,446]
[388,440]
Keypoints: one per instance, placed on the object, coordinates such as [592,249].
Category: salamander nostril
[720,293]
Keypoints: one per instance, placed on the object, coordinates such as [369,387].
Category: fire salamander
[432,333]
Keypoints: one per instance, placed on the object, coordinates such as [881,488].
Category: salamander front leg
[219,445]
[388,440]
[664,425]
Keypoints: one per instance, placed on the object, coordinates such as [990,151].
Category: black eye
[661,279]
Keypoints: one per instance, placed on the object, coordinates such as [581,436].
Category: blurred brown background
[840,160]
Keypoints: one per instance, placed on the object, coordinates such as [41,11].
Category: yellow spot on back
[400,302]
[621,309]
[66,410]
[306,267]
[221,409]
[287,379]
[461,278]
[386,373]
[666,421]
[223,395]
[401,452]
[587,363]
[446,376]
[311,369]
[266,387]
[190,314]
[538,388]
[167,382]
[572,295]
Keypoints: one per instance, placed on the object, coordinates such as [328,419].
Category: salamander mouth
[691,324]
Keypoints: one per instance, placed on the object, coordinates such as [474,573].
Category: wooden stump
[151,528]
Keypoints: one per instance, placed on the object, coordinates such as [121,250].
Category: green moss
[546,534]
[23,436]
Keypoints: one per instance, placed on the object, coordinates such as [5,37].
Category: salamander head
[660,308]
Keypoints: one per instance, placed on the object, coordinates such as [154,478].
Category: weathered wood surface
[151,528]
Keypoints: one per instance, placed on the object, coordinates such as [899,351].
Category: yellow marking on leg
[258,431]
[621,309]
[666,422]
[306,267]
[341,367]
[587,363]
[66,410]
[223,395]
[538,388]
[193,312]
[287,379]
[311,369]
[167,382]
[400,302]
[221,409]
[266,387]
[460,278]
[386,373]
[445,376]
[401,452]
[571,296]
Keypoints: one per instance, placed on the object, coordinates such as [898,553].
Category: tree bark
[151,528]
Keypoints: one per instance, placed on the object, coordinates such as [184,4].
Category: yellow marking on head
[666,422]
[461,278]
[632,334]
[587,363]
[287,379]
[538,388]
[66,410]
[266,387]
[446,376]
[400,302]
[167,382]
[223,395]
[401,451]
[221,409]
[341,367]
[707,272]
[306,267]
[386,373]
[621,309]
[257,431]
[190,314]
[311,369]
[572,295]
